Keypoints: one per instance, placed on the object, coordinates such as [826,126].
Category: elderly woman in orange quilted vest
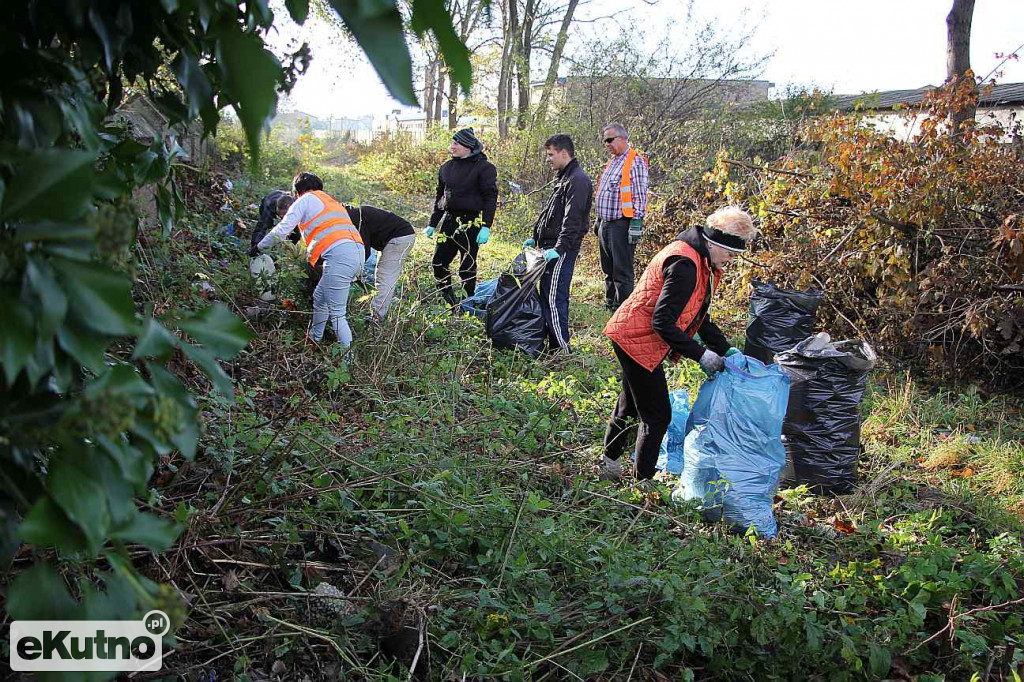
[659,320]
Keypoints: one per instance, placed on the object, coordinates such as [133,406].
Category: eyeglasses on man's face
[609,140]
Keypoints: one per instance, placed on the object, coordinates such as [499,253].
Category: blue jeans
[330,298]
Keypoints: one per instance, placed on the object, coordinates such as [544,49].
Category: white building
[355,129]
[1001,104]
[414,123]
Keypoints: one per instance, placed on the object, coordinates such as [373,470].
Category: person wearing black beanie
[467,139]
[464,207]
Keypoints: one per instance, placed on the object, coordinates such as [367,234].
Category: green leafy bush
[87,396]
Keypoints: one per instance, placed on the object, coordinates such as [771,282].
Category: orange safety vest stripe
[625,184]
[327,227]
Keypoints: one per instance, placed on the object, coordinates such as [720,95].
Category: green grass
[449,492]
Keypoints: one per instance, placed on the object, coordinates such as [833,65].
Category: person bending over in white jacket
[328,235]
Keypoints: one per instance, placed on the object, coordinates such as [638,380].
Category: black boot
[448,294]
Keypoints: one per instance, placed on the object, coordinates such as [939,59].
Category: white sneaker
[611,469]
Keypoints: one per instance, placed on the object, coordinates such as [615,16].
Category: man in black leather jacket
[464,207]
[559,231]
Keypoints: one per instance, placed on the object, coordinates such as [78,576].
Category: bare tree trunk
[958,58]
[511,101]
[429,80]
[438,93]
[502,100]
[507,12]
[525,46]
[509,108]
[512,40]
[556,56]
[453,102]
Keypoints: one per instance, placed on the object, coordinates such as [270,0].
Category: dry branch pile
[918,244]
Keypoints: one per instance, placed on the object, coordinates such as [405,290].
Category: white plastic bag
[264,272]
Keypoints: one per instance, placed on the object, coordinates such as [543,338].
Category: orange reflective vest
[625,184]
[326,228]
[631,327]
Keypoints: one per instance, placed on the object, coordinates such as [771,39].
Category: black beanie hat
[467,139]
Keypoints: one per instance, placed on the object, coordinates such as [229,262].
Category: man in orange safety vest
[620,203]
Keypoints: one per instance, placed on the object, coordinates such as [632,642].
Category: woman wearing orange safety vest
[669,305]
[329,236]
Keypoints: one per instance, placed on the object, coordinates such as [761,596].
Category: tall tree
[465,15]
[958,59]
[438,95]
[453,103]
[510,33]
[556,58]
[429,85]
[524,49]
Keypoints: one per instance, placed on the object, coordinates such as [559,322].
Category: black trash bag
[822,427]
[779,319]
[514,318]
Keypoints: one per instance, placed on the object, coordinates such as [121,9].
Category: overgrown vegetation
[447,495]
[918,241]
[430,510]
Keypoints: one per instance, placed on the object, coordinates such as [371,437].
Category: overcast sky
[844,46]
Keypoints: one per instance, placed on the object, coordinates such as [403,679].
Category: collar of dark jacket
[568,167]
[695,238]
[473,157]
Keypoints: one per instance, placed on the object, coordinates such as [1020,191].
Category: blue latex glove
[550,255]
[430,232]
[528,243]
[484,236]
[636,226]
[733,351]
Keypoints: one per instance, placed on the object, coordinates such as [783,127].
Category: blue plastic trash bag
[370,269]
[229,232]
[670,456]
[733,453]
[477,303]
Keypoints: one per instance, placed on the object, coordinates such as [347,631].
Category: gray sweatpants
[389,269]
[330,298]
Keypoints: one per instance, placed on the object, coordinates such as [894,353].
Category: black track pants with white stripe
[554,298]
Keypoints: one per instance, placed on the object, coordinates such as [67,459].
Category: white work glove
[711,362]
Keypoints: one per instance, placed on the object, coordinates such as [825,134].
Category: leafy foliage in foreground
[87,401]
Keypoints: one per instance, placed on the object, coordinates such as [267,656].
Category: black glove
[254,251]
